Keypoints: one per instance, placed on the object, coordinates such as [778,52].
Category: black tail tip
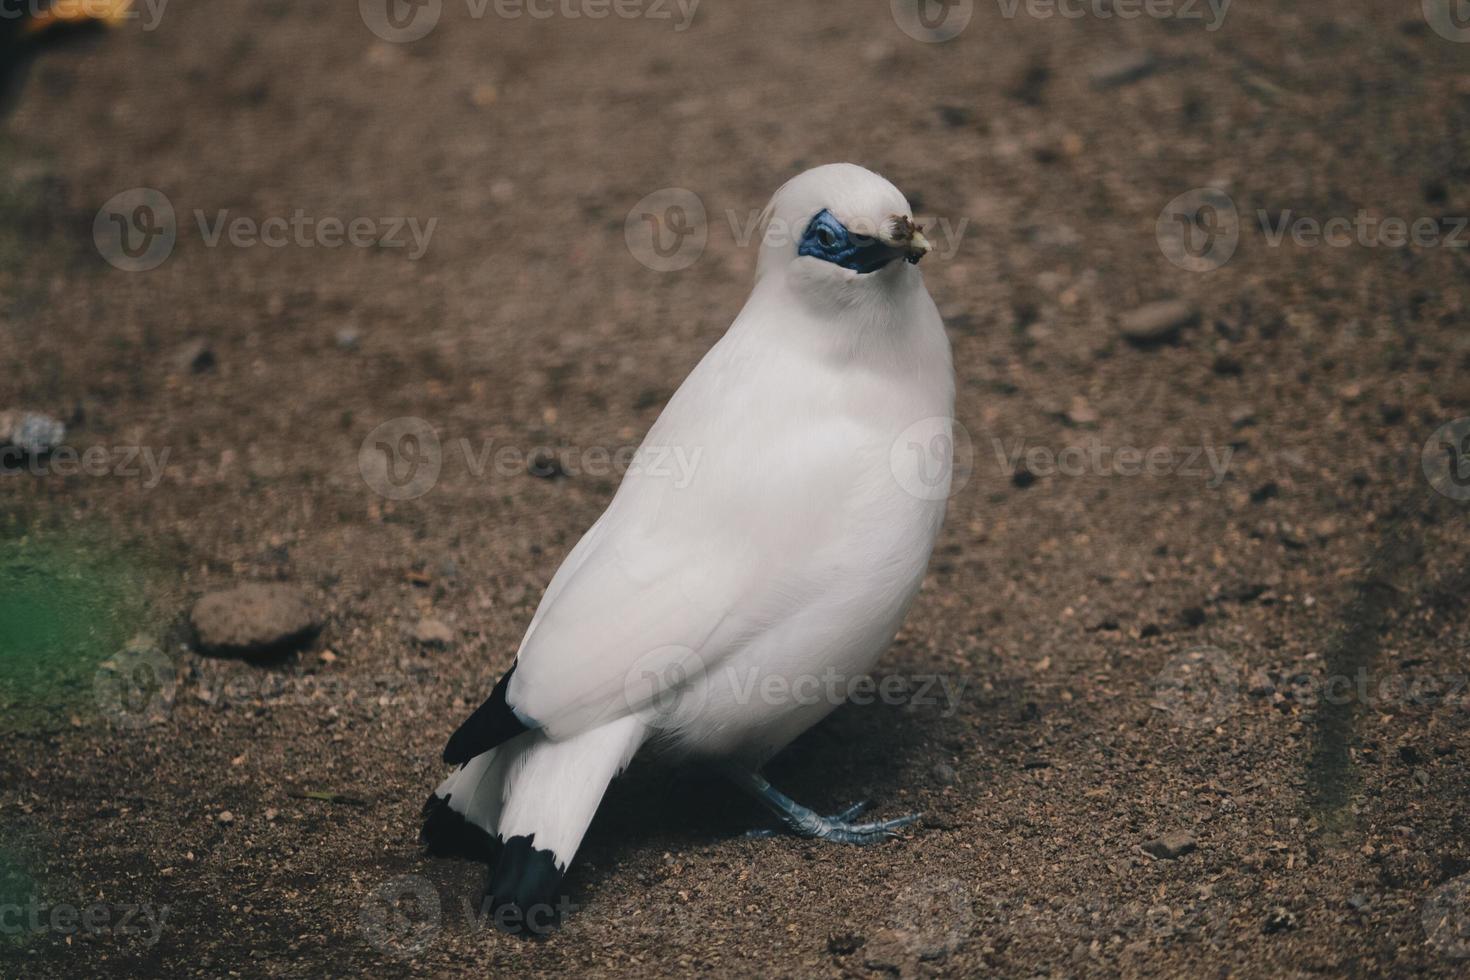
[491,724]
[446,833]
[523,892]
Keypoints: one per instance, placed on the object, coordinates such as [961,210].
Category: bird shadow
[858,753]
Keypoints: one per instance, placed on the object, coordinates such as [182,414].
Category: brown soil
[1142,654]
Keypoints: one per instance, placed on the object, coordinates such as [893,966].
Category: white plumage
[794,551]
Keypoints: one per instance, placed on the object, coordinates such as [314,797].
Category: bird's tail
[524,807]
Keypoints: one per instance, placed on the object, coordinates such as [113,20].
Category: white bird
[707,611]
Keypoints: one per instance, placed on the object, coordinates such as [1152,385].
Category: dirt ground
[1262,663]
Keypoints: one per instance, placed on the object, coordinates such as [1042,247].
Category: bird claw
[842,832]
[839,828]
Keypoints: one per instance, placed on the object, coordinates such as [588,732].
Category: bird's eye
[826,237]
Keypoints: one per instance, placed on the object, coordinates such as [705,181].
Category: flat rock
[1172,845]
[432,632]
[1123,68]
[196,356]
[253,620]
[1156,323]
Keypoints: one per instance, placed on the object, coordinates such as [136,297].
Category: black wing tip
[493,723]
[446,833]
[522,891]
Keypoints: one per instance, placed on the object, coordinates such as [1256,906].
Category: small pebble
[545,465]
[196,356]
[1122,69]
[1156,323]
[432,632]
[31,432]
[1172,845]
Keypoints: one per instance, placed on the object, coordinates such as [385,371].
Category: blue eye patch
[828,240]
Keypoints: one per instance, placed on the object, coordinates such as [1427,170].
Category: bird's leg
[807,823]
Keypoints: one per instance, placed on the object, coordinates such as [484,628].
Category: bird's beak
[918,245]
[902,234]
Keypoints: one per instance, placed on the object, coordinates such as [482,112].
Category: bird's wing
[721,528]
[696,555]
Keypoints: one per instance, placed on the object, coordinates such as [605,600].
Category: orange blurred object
[77,12]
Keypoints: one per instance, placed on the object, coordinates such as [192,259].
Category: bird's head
[840,223]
